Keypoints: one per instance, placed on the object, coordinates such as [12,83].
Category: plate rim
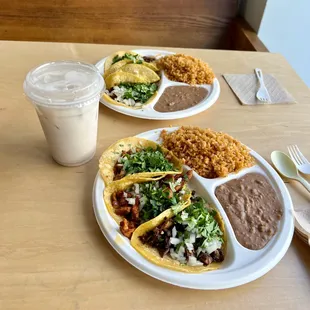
[209,101]
[187,284]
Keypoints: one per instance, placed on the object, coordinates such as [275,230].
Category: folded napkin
[245,87]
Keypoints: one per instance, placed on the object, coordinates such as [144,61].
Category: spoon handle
[304,183]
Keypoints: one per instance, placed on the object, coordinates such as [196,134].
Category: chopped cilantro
[156,199]
[201,220]
[146,160]
[137,59]
[138,92]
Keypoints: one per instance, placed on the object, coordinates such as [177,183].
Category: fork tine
[296,155]
[263,99]
[302,157]
[293,155]
[290,151]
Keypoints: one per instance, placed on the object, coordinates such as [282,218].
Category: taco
[137,157]
[131,57]
[130,81]
[191,241]
[134,202]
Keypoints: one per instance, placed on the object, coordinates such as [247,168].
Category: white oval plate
[240,266]
[148,111]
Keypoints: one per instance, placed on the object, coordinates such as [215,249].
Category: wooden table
[52,252]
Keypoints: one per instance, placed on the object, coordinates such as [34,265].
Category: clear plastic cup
[66,97]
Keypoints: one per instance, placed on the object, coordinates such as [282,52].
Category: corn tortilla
[123,185]
[110,156]
[152,254]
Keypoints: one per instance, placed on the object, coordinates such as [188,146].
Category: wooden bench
[174,23]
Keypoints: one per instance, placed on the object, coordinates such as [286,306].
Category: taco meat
[144,201]
[149,58]
[192,237]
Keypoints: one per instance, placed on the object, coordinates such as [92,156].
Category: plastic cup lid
[63,83]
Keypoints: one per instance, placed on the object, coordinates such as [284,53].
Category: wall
[285,29]
[253,11]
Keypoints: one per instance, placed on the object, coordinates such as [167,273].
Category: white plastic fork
[262,93]
[301,162]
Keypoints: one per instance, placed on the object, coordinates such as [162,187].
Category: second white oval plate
[240,266]
[148,111]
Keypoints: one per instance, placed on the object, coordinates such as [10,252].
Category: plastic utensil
[262,93]
[299,159]
[287,168]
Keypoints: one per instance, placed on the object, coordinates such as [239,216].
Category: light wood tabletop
[52,252]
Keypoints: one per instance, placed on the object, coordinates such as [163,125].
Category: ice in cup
[66,97]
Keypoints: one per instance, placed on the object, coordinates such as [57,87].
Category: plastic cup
[66,97]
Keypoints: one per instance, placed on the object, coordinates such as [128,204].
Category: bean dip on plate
[253,209]
[177,98]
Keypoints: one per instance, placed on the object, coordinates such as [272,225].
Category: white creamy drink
[66,96]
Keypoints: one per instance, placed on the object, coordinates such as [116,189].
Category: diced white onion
[181,250]
[189,246]
[137,189]
[192,238]
[184,215]
[131,201]
[212,246]
[174,232]
[119,92]
[192,261]
[178,181]
[174,240]
[143,200]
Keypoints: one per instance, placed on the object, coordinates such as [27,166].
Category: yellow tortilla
[111,155]
[152,255]
[107,98]
[118,65]
[109,60]
[115,67]
[151,65]
[123,185]
[119,77]
[143,72]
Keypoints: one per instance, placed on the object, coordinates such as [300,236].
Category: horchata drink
[66,97]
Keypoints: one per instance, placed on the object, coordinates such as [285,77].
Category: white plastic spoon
[287,168]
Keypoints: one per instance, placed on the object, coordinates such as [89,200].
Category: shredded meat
[217,255]
[119,194]
[189,174]
[127,228]
[122,211]
[149,58]
[168,156]
[130,213]
[122,201]
[205,258]
[159,237]
[135,210]
[179,187]
[118,170]
[114,201]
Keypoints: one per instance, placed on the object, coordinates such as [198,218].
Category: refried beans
[177,98]
[253,209]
